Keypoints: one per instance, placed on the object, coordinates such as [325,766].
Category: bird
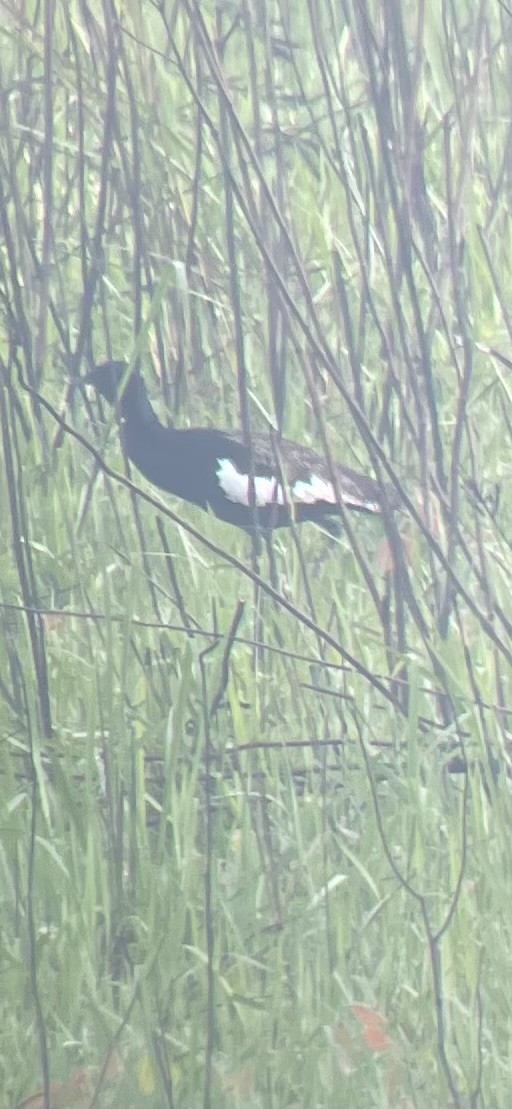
[267,485]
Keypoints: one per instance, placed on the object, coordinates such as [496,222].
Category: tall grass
[254,822]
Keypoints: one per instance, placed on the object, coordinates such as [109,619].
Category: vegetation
[255,845]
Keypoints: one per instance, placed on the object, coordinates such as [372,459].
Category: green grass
[237,868]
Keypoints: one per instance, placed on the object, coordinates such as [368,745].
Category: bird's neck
[166,456]
[150,445]
[135,407]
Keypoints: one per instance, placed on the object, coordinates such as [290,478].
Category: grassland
[255,836]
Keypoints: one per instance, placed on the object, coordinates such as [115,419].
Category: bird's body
[266,486]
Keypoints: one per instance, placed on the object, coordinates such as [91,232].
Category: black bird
[212,468]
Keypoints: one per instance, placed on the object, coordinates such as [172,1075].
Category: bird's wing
[310,479]
[281,477]
[290,473]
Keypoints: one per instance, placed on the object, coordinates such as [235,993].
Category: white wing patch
[359,502]
[269,491]
[314,490]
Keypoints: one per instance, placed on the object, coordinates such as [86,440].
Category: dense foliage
[254,820]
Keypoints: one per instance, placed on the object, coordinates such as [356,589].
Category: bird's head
[107,379]
[133,402]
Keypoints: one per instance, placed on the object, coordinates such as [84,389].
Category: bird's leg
[255,549]
[271,561]
[258,622]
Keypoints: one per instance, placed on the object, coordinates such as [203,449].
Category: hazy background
[255,837]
